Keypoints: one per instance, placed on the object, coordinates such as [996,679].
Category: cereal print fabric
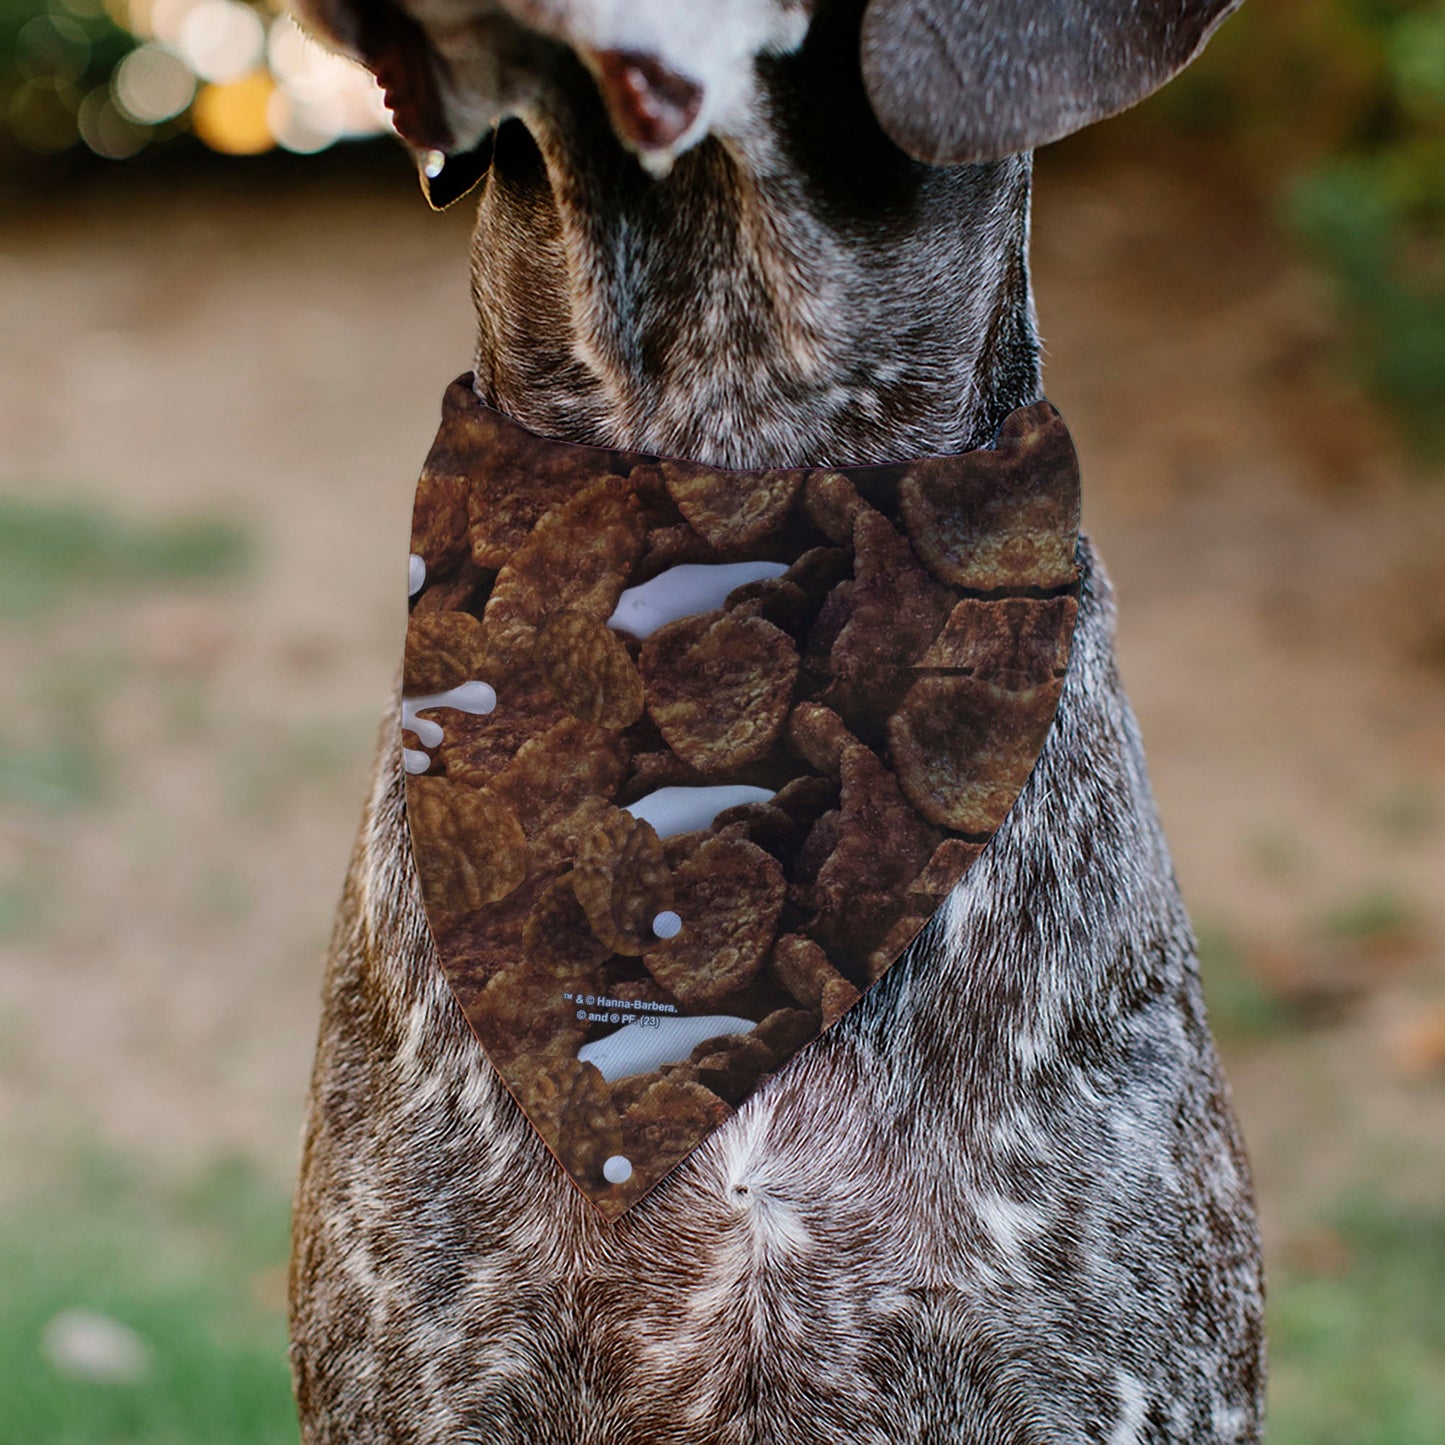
[694,754]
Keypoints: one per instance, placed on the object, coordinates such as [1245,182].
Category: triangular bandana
[693,754]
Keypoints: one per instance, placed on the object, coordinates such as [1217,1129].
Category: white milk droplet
[683,591]
[684,810]
[478,698]
[415,575]
[413,761]
[617,1169]
[667,924]
[639,1048]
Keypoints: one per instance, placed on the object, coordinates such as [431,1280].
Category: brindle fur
[1004,1200]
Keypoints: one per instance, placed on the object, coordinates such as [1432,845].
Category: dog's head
[949,81]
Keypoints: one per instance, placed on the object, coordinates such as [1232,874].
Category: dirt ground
[274,354]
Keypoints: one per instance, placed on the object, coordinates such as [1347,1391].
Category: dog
[1004,1199]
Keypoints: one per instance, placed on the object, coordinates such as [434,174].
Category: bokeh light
[221,40]
[233,117]
[119,75]
[320,97]
[106,130]
[42,114]
[152,84]
[57,45]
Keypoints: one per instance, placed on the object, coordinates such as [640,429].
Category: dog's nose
[650,105]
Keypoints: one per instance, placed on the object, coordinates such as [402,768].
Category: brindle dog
[1004,1200]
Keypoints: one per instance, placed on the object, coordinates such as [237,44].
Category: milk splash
[477,698]
[684,591]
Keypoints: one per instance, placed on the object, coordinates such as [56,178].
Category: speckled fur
[1004,1200]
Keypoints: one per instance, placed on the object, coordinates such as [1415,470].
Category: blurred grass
[1358,1344]
[51,548]
[1375,916]
[1241,1006]
[57,775]
[195,1273]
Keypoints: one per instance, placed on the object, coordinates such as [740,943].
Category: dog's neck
[800,295]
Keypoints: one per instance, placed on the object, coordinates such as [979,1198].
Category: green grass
[193,1274]
[1358,1354]
[56,776]
[1241,1006]
[49,549]
[1408,814]
[1380,913]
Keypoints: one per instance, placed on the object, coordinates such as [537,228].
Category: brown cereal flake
[571,1105]
[818,847]
[775,600]
[817,734]
[522,1019]
[470,849]
[731,1066]
[649,483]
[816,672]
[894,611]
[786,1030]
[728,893]
[1006,516]
[626,1092]
[443,650]
[556,771]
[500,512]
[659,769]
[718,687]
[805,799]
[951,860]
[460,591]
[475,749]
[588,669]
[818,571]
[731,510]
[832,504]
[882,845]
[802,968]
[578,555]
[667,1120]
[964,748]
[622,881]
[671,547]
[439,521]
[678,848]
[558,938]
[480,943]
[1013,642]
[761,823]
[838,997]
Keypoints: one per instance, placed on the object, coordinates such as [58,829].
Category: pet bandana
[693,754]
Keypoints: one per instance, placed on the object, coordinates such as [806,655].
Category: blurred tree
[52,59]
[1337,107]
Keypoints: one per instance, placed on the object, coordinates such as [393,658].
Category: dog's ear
[974,80]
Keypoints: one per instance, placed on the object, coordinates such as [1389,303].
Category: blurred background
[227,320]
